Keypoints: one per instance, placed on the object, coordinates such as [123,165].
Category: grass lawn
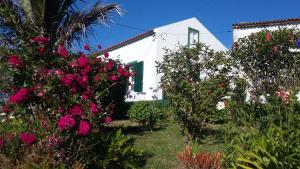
[162,145]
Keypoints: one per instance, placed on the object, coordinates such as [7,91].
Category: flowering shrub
[58,94]
[194,80]
[268,59]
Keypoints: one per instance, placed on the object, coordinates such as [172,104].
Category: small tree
[194,81]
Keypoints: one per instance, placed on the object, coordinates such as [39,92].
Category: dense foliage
[268,59]
[195,81]
[147,113]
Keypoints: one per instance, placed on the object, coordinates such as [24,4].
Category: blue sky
[216,15]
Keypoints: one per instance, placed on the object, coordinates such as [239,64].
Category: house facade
[144,50]
[244,29]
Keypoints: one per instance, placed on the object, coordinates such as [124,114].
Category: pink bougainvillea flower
[14,60]
[98,77]
[86,47]
[121,70]
[86,70]
[66,122]
[73,63]
[76,110]
[94,108]
[2,142]
[126,74]
[83,61]
[113,78]
[127,66]
[108,120]
[109,65]
[268,37]
[99,46]
[62,51]
[84,128]
[54,141]
[68,79]
[106,54]
[40,39]
[41,50]
[22,95]
[27,138]
[85,95]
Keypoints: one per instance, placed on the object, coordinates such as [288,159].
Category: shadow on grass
[210,135]
[132,129]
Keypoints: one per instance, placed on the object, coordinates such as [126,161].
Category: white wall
[174,35]
[142,50]
[151,49]
[241,33]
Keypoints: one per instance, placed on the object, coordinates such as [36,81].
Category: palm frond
[79,24]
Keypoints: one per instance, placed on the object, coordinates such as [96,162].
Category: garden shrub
[57,99]
[272,148]
[268,60]
[195,80]
[147,113]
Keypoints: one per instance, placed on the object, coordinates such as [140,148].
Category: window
[193,36]
[137,80]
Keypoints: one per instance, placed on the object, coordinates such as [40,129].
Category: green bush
[273,148]
[195,80]
[147,113]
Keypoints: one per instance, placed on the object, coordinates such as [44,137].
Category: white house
[244,29]
[144,50]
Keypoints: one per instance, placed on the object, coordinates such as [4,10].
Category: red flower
[40,39]
[76,110]
[106,54]
[84,128]
[5,109]
[62,51]
[109,65]
[86,47]
[73,63]
[83,61]
[108,120]
[66,122]
[14,60]
[127,66]
[41,50]
[68,79]
[2,143]
[114,78]
[121,70]
[28,138]
[86,70]
[94,108]
[22,95]
[98,78]
[268,37]
[85,95]
[126,74]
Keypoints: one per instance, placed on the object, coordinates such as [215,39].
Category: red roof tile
[266,23]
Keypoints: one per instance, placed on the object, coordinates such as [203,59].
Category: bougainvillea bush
[56,98]
[195,80]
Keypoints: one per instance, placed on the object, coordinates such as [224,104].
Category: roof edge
[266,23]
[127,42]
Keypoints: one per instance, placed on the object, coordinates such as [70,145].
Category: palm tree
[61,20]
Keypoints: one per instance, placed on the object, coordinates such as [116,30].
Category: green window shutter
[138,80]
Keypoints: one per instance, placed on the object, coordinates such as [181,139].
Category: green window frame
[137,80]
[190,32]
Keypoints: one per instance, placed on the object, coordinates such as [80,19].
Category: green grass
[162,145]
